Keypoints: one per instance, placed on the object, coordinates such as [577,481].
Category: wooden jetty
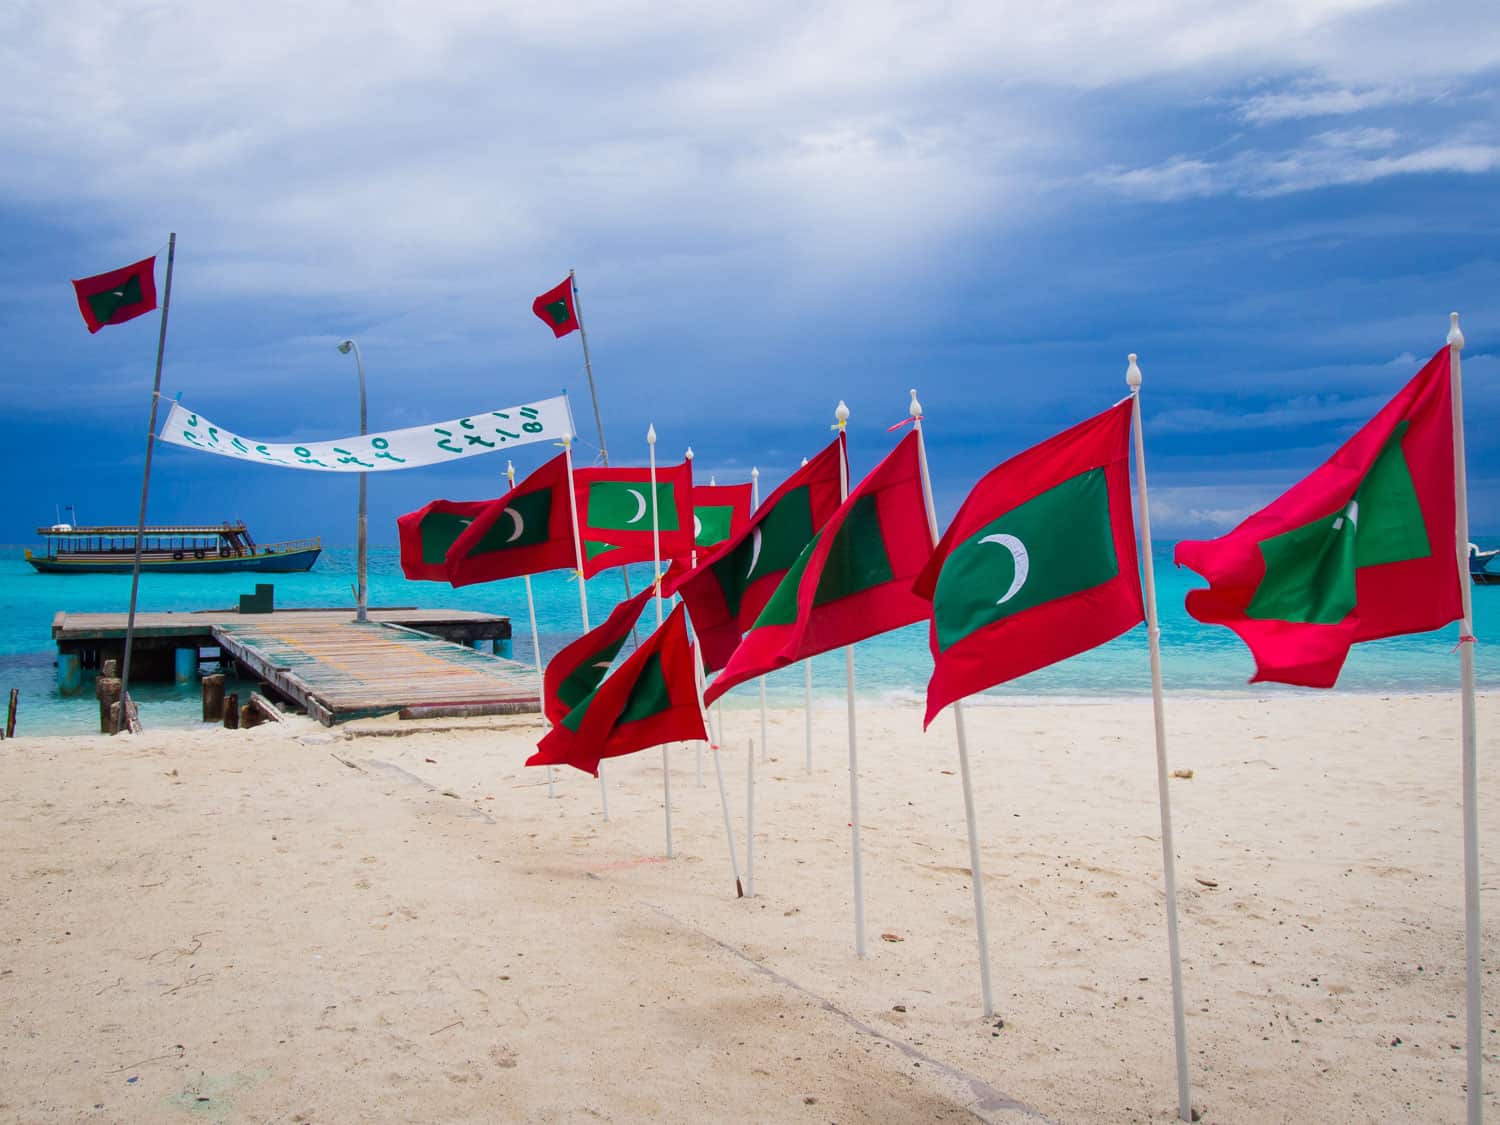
[410,660]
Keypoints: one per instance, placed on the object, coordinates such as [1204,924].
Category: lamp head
[345,346]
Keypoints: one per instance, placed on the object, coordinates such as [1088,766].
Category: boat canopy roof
[237,528]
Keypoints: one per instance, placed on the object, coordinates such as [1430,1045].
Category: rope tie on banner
[1463,639]
[905,421]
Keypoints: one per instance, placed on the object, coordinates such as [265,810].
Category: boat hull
[283,562]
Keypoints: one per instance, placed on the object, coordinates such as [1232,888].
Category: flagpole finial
[804,460]
[1133,373]
[651,434]
[1455,333]
[712,479]
[567,440]
[841,412]
[915,409]
[755,472]
[689,453]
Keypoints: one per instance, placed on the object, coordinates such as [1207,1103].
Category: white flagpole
[807,708]
[536,644]
[842,414]
[697,746]
[750,818]
[754,504]
[1168,850]
[1473,1010]
[734,855]
[666,774]
[976,874]
[583,590]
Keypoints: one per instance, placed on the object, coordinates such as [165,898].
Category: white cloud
[1332,101]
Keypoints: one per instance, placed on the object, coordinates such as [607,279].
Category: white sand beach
[294,924]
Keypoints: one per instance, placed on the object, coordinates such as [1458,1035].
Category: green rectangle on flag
[524,523]
[1057,543]
[626,506]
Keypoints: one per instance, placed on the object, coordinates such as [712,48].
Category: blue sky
[770,206]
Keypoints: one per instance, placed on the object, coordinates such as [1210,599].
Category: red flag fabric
[1050,532]
[727,590]
[117,296]
[650,699]
[427,534]
[529,529]
[720,512]
[579,667]
[853,579]
[557,309]
[1362,548]
[614,514]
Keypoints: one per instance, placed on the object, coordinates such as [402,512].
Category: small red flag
[1362,548]
[578,669]
[614,514]
[557,309]
[117,296]
[427,534]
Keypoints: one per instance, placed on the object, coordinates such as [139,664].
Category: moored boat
[1479,566]
[175,549]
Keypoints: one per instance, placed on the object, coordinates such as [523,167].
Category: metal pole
[842,414]
[1473,1010]
[976,872]
[1164,801]
[583,590]
[588,368]
[140,533]
[536,643]
[666,767]
[361,551]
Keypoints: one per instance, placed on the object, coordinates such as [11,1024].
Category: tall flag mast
[113,298]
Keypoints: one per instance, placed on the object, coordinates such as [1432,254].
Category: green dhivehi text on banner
[412,448]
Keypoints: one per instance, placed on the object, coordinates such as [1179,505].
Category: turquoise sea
[1198,660]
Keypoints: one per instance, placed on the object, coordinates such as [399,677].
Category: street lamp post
[361,551]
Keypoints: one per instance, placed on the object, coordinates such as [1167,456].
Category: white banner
[411,448]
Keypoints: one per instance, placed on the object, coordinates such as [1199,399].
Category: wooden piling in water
[232,711]
[213,698]
[107,688]
[10,715]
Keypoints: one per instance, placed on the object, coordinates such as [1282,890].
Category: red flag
[427,534]
[1038,565]
[577,670]
[852,581]
[720,512]
[650,699]
[117,296]
[529,529]
[557,309]
[614,514]
[726,591]
[1362,548]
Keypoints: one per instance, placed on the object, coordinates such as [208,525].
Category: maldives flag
[720,511]
[427,534]
[726,591]
[1038,565]
[117,296]
[576,671]
[650,699]
[1363,548]
[528,530]
[614,514]
[556,308]
[852,580]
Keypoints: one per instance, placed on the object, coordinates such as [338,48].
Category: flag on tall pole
[581,666]
[852,580]
[556,308]
[119,295]
[1038,565]
[112,298]
[1357,550]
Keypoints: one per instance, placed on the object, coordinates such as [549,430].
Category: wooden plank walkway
[339,669]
